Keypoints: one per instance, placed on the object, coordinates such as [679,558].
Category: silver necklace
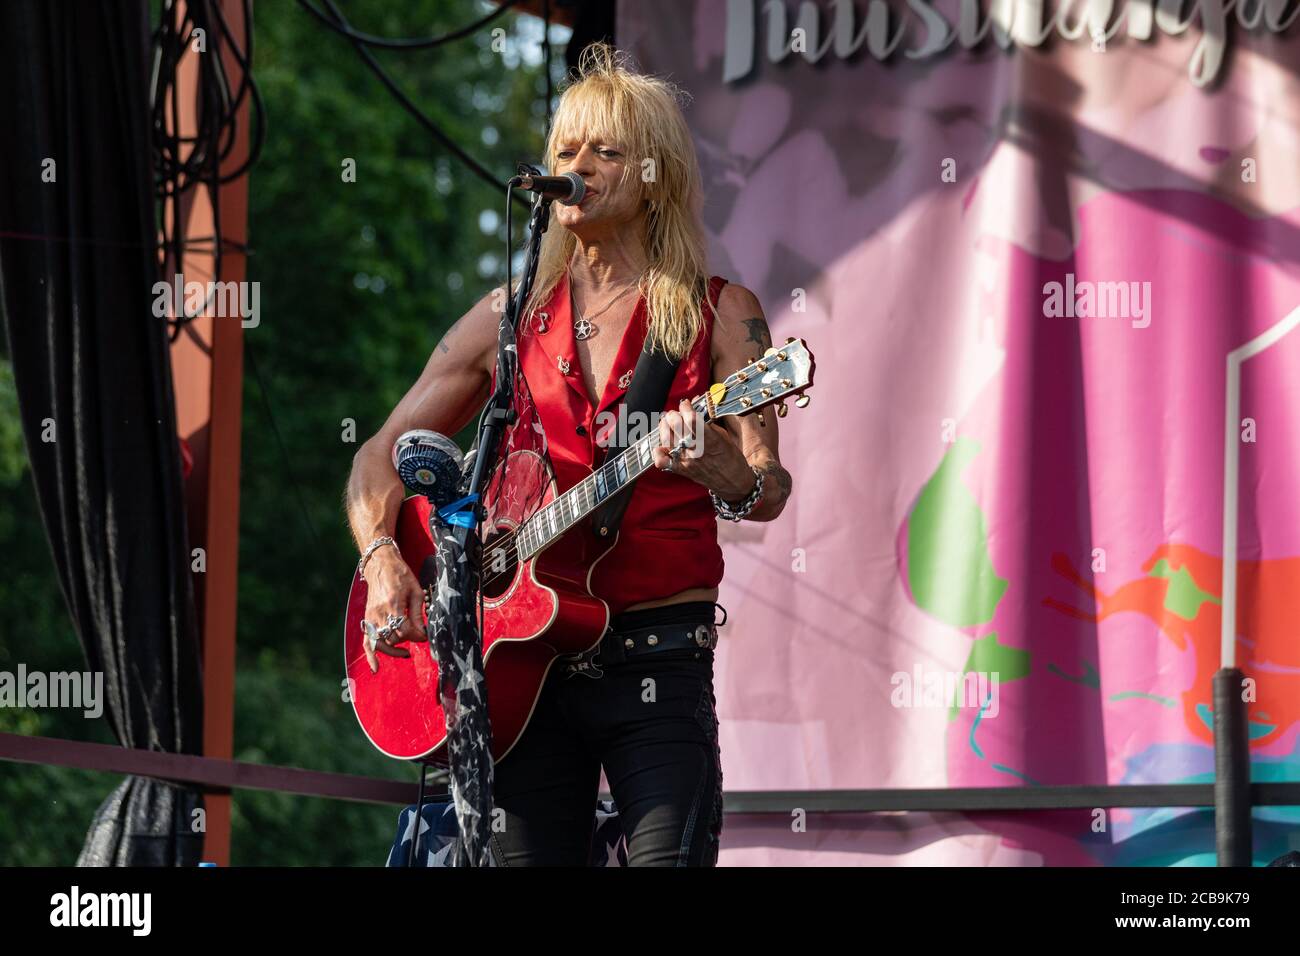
[583,327]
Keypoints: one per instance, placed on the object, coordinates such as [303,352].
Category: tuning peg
[802,401]
[762,423]
[789,339]
[782,410]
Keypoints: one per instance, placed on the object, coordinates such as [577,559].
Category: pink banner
[1025,273]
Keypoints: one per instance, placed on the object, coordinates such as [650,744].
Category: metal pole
[207,375]
[1232,823]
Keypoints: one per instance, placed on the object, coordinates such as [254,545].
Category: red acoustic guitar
[537,603]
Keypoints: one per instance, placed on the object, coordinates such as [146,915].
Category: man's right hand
[393,591]
[450,391]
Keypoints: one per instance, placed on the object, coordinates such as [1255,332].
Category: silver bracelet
[739,511]
[371,549]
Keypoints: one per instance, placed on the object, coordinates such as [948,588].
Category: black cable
[185,163]
[507,365]
[289,477]
[225,241]
[389,43]
[247,86]
[429,125]
[546,57]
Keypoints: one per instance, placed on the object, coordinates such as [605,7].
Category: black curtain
[91,366]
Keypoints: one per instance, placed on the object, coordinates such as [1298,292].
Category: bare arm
[740,335]
[732,448]
[451,389]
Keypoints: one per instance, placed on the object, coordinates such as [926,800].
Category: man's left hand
[711,458]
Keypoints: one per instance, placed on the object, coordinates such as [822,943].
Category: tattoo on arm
[758,332]
[776,478]
[451,333]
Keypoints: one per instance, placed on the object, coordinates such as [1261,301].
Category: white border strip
[1231,469]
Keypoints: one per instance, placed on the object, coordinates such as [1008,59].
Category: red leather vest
[668,538]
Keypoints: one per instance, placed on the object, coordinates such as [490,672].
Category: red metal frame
[207,371]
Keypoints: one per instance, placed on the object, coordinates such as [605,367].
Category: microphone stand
[500,407]
[465,515]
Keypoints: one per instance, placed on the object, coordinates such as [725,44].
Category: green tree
[358,280]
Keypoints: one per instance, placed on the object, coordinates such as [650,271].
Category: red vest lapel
[560,347]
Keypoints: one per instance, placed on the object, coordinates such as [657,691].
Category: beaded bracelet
[739,511]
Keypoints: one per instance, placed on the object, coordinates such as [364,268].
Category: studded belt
[616,647]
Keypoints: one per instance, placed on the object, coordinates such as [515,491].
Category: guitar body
[536,610]
[533,613]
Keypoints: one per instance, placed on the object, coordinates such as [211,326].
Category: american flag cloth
[438,836]
[456,646]
[515,487]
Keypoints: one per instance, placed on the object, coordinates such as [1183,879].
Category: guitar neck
[619,472]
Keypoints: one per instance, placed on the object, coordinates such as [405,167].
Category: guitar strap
[647,393]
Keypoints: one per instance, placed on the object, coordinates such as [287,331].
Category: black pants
[651,722]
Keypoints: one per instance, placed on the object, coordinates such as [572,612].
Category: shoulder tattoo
[758,332]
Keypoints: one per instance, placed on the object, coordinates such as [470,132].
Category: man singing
[626,263]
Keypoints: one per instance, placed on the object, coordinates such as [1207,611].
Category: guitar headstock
[784,370]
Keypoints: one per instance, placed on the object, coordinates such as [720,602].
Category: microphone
[567,189]
[429,463]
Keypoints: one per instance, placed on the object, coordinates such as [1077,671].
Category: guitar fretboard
[623,468]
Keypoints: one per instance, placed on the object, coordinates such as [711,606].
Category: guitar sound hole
[500,562]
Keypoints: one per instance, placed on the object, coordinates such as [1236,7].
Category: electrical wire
[432,128]
[183,164]
[391,43]
[289,476]
[546,58]
[360,40]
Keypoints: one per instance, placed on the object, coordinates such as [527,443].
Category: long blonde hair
[643,115]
